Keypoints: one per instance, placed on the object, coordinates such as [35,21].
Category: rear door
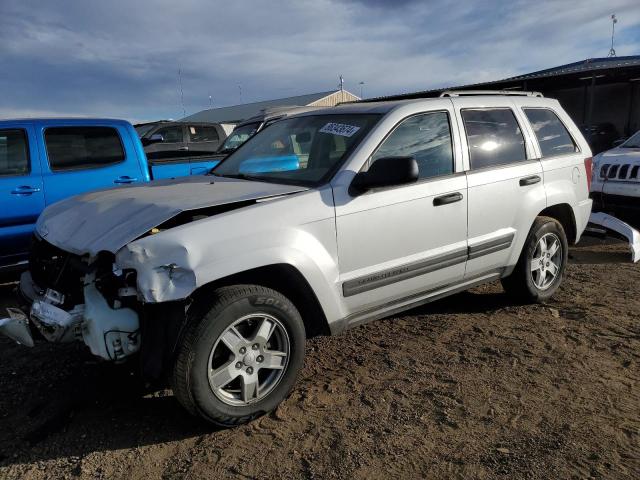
[82,158]
[506,190]
[21,191]
[202,139]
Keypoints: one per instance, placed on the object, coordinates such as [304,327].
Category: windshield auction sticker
[339,129]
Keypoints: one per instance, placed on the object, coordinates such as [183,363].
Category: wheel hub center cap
[250,359]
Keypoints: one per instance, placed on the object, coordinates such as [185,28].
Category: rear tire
[240,356]
[542,263]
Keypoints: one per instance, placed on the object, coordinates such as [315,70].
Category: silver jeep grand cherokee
[321,222]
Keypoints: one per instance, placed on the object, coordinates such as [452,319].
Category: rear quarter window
[553,137]
[73,148]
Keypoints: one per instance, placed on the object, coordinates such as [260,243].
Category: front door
[21,192]
[398,242]
[173,145]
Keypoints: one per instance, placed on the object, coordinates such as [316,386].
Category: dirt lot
[471,386]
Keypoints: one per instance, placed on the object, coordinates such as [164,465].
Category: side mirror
[385,172]
[155,138]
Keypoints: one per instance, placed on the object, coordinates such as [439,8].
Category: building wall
[334,99]
[612,103]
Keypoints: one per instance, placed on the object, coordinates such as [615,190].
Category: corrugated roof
[237,113]
[587,65]
[584,66]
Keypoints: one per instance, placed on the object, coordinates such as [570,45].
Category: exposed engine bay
[81,298]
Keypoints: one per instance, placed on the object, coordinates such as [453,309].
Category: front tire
[240,358]
[542,263]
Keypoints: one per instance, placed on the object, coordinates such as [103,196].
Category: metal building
[602,95]
[237,113]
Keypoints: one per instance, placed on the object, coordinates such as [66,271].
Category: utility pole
[240,90]
[614,20]
[184,112]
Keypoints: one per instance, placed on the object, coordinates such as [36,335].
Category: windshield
[143,129]
[633,141]
[239,136]
[299,150]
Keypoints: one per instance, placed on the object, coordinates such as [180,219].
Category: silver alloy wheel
[547,261]
[249,359]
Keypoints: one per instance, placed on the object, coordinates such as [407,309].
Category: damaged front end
[76,297]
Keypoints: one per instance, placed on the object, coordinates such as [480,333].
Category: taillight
[588,166]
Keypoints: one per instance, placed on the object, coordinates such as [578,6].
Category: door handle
[447,199]
[183,149]
[125,179]
[529,180]
[24,190]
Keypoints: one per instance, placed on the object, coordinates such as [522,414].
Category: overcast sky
[120,58]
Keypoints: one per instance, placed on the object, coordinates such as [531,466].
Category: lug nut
[239,365]
[255,346]
[249,370]
[243,350]
[260,359]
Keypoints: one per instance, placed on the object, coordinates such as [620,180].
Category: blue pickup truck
[45,160]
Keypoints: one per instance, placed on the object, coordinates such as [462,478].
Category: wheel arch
[283,278]
[563,213]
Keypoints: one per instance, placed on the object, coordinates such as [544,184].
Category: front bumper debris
[616,225]
[16,327]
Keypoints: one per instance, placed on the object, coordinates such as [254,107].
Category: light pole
[361,87]
[614,20]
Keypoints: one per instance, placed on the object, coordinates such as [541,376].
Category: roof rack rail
[461,93]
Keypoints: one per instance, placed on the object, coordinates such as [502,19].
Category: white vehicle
[217,280]
[616,179]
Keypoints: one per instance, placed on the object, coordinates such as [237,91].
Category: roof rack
[461,93]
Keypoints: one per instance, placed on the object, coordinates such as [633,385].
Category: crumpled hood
[109,219]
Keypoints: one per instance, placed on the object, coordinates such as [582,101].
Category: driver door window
[427,138]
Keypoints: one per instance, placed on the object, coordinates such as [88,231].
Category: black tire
[190,380]
[520,283]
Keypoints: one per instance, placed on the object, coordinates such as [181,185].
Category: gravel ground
[473,386]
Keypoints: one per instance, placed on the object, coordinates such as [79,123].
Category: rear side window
[552,135]
[203,134]
[494,137]
[427,138]
[72,148]
[14,153]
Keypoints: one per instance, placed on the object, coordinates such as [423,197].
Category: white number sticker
[339,129]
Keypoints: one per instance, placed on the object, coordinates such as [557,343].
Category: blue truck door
[21,191]
[82,158]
